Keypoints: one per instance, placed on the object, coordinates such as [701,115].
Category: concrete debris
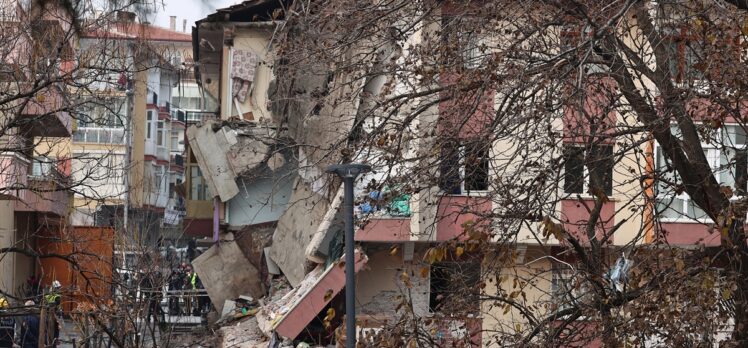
[243,334]
[276,161]
[227,151]
[296,227]
[317,249]
[226,273]
[289,316]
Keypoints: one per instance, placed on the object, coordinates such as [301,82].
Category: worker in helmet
[7,324]
[53,300]
[29,337]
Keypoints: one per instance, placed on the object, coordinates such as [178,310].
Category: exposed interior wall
[256,103]
[380,284]
[260,199]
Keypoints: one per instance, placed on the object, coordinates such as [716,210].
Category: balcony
[44,115]
[162,153]
[99,135]
[45,191]
[14,168]
[456,213]
[383,219]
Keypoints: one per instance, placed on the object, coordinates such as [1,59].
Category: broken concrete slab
[317,250]
[293,312]
[296,227]
[226,273]
[225,151]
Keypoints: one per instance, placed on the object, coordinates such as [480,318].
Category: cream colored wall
[533,279]
[7,239]
[138,139]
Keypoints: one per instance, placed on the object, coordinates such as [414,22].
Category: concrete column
[7,239]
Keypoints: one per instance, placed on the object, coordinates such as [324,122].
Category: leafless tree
[640,103]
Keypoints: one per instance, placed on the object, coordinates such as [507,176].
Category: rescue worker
[30,329]
[7,325]
[53,300]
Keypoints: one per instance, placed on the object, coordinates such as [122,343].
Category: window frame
[572,295]
[586,173]
[717,169]
[460,147]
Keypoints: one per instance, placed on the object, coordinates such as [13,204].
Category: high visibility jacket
[52,298]
[193,280]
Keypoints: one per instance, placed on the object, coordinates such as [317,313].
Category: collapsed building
[277,212]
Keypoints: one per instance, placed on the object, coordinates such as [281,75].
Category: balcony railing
[177,160]
[99,135]
[377,204]
[200,116]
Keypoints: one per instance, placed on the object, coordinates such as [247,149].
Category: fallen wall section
[226,273]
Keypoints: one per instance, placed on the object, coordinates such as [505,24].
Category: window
[584,171]
[727,155]
[464,169]
[462,42]
[174,140]
[43,167]
[106,113]
[567,289]
[684,56]
[454,286]
[198,187]
[160,133]
[149,120]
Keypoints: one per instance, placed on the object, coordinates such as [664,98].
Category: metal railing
[99,135]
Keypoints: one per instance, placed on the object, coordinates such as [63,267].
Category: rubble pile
[242,334]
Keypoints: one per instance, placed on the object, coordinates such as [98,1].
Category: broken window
[588,171]
[464,169]
[454,286]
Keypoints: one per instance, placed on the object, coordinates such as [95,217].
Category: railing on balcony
[383,204]
[200,116]
[177,160]
[99,135]
[46,170]
[46,189]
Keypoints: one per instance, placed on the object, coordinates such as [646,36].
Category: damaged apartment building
[276,214]
[260,191]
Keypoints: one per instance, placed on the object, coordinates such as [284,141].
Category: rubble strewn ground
[244,333]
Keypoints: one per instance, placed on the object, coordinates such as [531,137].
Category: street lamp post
[349,172]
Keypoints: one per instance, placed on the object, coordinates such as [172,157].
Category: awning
[297,309]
